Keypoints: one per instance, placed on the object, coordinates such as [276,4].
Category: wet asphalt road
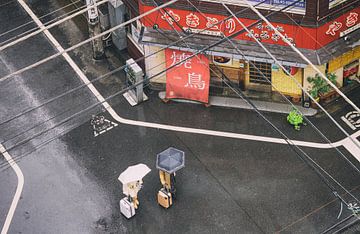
[227,186]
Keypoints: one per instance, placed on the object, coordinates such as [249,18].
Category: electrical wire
[7,3]
[85,41]
[137,83]
[73,106]
[290,143]
[35,28]
[12,43]
[318,131]
[31,22]
[293,78]
[59,114]
[302,56]
[296,82]
[116,70]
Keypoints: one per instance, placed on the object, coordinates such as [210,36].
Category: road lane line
[352,148]
[19,188]
[112,112]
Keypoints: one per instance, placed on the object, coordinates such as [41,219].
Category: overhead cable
[293,78]
[302,56]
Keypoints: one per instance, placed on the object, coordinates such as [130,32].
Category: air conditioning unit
[222,61]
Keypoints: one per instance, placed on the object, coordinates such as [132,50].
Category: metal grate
[256,76]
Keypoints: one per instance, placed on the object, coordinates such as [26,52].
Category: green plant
[319,85]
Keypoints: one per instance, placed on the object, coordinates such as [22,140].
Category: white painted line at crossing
[348,123]
[352,148]
[18,191]
[164,126]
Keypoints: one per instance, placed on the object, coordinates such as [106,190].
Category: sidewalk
[241,104]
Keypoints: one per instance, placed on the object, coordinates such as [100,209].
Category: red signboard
[301,37]
[189,79]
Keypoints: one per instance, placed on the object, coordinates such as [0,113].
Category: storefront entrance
[233,70]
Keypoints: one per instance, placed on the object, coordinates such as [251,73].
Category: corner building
[326,32]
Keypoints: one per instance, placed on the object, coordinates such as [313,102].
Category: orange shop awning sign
[189,79]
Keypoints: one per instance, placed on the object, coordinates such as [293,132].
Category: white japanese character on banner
[250,34]
[177,58]
[195,81]
[269,28]
[211,23]
[192,20]
[275,37]
[170,16]
[264,35]
[333,28]
[280,28]
[260,26]
[230,25]
[351,19]
[290,39]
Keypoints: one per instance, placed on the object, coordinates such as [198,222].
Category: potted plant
[295,118]
[320,89]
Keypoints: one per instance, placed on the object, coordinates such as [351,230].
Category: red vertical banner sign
[189,79]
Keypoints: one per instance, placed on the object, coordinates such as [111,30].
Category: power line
[7,3]
[134,85]
[302,56]
[82,103]
[86,41]
[292,77]
[286,139]
[131,87]
[299,85]
[51,25]
[31,109]
[118,69]
[320,133]
[174,65]
[31,22]
[291,144]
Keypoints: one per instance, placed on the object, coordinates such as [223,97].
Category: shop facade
[323,45]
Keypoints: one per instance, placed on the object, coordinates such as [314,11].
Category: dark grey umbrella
[170,160]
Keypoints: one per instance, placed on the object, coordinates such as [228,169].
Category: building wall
[310,72]
[336,65]
[344,59]
[155,64]
[285,84]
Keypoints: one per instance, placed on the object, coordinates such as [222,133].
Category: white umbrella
[134,173]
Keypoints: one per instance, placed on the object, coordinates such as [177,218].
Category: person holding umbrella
[168,182]
[168,162]
[132,182]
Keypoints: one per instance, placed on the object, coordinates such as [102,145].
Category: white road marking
[348,123]
[143,124]
[352,148]
[111,125]
[352,119]
[164,126]
[19,189]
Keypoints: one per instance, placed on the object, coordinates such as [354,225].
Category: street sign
[352,119]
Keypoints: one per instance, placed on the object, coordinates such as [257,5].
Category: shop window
[350,72]
[260,77]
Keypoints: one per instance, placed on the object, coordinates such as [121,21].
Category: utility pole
[95,29]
